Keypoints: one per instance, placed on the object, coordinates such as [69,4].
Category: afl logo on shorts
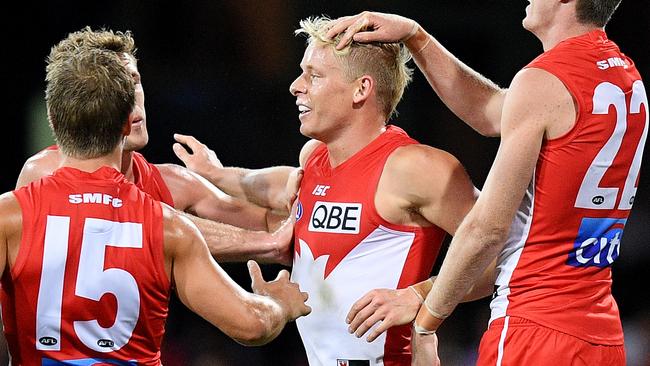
[598,243]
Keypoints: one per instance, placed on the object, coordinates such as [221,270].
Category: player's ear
[364,86]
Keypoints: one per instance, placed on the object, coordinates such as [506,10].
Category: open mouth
[303,109]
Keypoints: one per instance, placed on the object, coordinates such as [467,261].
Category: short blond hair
[386,63]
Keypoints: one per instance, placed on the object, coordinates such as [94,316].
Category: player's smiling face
[323,93]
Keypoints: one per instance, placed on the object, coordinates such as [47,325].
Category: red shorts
[517,341]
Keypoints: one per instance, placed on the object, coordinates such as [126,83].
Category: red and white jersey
[89,283]
[345,249]
[147,177]
[556,266]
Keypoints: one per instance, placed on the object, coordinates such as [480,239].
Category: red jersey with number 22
[89,284]
[556,266]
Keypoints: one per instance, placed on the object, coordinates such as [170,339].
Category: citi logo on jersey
[320,190]
[598,242]
[101,198]
[336,217]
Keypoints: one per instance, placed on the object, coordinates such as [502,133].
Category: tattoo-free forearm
[472,97]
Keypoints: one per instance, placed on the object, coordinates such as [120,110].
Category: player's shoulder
[11,211]
[534,82]
[416,159]
[176,224]
[39,165]
[308,149]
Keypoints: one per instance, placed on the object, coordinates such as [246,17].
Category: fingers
[181,152]
[384,324]
[358,306]
[292,188]
[360,24]
[362,321]
[190,141]
[306,308]
[339,25]
[367,324]
[255,273]
[283,275]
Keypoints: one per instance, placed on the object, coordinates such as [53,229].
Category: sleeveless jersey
[556,266]
[343,249]
[147,177]
[89,283]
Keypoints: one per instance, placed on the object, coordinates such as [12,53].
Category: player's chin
[134,143]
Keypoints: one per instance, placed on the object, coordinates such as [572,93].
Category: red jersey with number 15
[89,282]
[556,266]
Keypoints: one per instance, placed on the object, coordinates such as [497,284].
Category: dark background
[220,70]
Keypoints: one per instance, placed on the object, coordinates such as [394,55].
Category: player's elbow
[254,331]
[490,233]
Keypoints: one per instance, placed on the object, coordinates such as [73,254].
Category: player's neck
[127,165]
[90,165]
[355,138]
[562,31]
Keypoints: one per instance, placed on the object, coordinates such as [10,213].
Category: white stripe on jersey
[509,257]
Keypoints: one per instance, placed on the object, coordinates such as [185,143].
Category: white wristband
[422,331]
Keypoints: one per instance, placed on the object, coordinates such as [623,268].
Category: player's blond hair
[386,63]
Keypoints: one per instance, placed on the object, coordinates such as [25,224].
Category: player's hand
[424,349]
[388,307]
[292,187]
[369,27]
[282,238]
[282,290]
[199,159]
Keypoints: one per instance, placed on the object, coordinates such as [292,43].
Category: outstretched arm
[228,243]
[195,195]
[472,97]
[251,319]
[263,187]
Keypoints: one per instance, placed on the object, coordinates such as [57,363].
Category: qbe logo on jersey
[335,217]
[598,243]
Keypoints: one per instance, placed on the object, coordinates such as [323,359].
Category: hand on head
[369,27]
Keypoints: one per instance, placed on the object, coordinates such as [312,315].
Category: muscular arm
[472,97]
[441,198]
[10,230]
[228,243]
[250,319]
[195,195]
[536,103]
[266,187]
[263,187]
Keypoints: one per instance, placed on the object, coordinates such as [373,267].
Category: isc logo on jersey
[335,217]
[598,242]
[102,198]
